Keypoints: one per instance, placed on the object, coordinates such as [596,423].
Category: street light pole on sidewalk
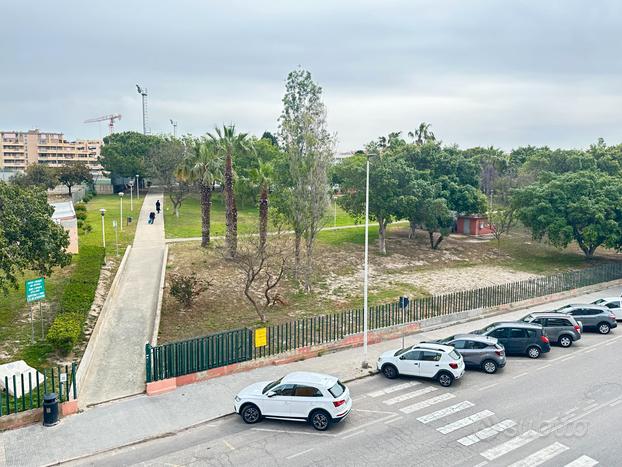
[366,280]
[103,212]
[137,188]
[121,213]
[131,195]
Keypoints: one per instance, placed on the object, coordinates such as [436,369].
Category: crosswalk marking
[391,389]
[487,432]
[444,412]
[410,395]
[426,403]
[583,461]
[466,421]
[541,456]
[510,445]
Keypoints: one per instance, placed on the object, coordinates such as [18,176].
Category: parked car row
[323,400]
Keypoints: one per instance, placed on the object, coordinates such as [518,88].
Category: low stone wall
[30,417]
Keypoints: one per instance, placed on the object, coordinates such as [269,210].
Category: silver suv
[592,317]
[478,351]
[560,328]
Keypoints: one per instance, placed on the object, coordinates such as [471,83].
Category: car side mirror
[271,394]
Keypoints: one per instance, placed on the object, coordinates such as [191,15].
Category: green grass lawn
[188,224]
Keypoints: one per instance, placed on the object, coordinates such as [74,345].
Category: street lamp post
[137,188]
[131,195]
[103,213]
[366,280]
[121,213]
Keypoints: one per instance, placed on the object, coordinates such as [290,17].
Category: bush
[65,331]
[80,290]
[186,287]
[80,207]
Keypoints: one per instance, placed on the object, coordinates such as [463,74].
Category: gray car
[592,317]
[560,328]
[478,351]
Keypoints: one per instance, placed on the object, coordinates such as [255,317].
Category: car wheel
[604,328]
[445,379]
[320,420]
[250,413]
[565,341]
[489,366]
[390,371]
[533,352]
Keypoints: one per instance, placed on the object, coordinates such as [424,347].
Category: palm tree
[226,143]
[422,133]
[204,167]
[262,178]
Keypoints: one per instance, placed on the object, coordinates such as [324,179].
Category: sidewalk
[135,419]
[118,363]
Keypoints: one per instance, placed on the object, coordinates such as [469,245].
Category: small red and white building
[475,225]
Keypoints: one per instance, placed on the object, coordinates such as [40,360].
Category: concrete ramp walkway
[118,364]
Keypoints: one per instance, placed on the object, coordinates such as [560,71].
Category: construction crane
[110,118]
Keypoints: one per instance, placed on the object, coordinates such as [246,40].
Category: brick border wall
[30,417]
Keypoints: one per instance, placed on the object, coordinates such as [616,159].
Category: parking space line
[399,417]
[390,389]
[487,432]
[543,367]
[589,350]
[410,395]
[426,403]
[293,456]
[483,388]
[228,444]
[466,421]
[510,445]
[541,456]
[569,357]
[618,402]
[445,412]
[271,430]
[583,461]
[364,425]
[590,406]
[353,434]
[521,375]
[374,411]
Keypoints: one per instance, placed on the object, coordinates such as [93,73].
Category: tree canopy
[125,154]
[74,174]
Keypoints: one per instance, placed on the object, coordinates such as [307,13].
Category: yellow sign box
[260,337]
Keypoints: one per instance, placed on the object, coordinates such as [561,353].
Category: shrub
[185,288]
[65,331]
[80,207]
[80,290]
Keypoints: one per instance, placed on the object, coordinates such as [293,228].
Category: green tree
[436,218]
[262,177]
[29,239]
[125,154]
[163,163]
[36,175]
[583,206]
[74,174]
[422,133]
[245,162]
[202,166]
[226,143]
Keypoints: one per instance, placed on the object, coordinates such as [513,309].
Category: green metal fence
[28,389]
[180,358]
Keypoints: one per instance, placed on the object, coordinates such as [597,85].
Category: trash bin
[50,409]
[129,220]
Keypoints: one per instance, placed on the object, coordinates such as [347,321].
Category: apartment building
[19,149]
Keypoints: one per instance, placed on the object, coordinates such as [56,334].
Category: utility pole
[174,123]
[143,93]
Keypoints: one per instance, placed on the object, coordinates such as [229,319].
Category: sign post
[403,304]
[35,292]
[260,337]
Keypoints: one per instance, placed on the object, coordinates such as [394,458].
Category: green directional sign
[35,289]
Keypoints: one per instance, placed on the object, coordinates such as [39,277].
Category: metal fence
[25,391]
[184,357]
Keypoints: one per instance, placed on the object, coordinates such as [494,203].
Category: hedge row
[77,299]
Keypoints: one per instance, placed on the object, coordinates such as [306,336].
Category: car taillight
[577,328]
[453,365]
[499,352]
[338,403]
[544,339]
[611,315]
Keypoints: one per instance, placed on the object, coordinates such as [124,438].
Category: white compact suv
[439,362]
[313,397]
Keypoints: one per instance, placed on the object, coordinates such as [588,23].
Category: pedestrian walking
[158,206]
[151,217]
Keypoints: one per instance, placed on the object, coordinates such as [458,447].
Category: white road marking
[353,434]
[521,375]
[589,350]
[610,342]
[510,445]
[410,395]
[569,357]
[483,388]
[374,411]
[591,406]
[391,389]
[294,432]
[466,421]
[481,464]
[364,425]
[299,454]
[543,367]
[583,461]
[487,432]
[426,403]
[228,444]
[399,417]
[541,456]
[580,416]
[618,402]
[444,412]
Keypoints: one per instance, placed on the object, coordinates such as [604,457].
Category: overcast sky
[502,73]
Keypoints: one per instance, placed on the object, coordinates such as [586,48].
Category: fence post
[148,361]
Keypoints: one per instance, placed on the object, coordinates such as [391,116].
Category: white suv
[316,398]
[440,362]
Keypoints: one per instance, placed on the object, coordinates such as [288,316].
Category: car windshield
[527,318]
[490,327]
[401,351]
[446,339]
[563,307]
[337,390]
[271,385]
[598,302]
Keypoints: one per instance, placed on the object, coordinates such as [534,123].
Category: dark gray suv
[560,328]
[478,351]
[519,338]
[592,317]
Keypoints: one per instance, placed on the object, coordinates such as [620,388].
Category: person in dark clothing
[158,206]
[152,216]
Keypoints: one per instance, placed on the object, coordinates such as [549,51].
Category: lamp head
[103,211]
[121,194]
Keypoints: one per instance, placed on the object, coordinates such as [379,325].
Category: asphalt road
[562,408]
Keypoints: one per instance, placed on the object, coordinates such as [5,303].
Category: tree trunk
[69,186]
[231,212]
[438,241]
[431,235]
[206,210]
[297,241]
[263,217]
[177,211]
[382,231]
[309,265]
[413,228]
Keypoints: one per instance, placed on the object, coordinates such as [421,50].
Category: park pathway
[118,365]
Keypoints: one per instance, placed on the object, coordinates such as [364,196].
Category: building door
[467,226]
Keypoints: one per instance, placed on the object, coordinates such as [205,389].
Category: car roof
[477,337]
[439,347]
[585,305]
[517,324]
[549,314]
[608,299]
[307,377]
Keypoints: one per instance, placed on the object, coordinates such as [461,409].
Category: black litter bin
[129,220]
[50,409]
